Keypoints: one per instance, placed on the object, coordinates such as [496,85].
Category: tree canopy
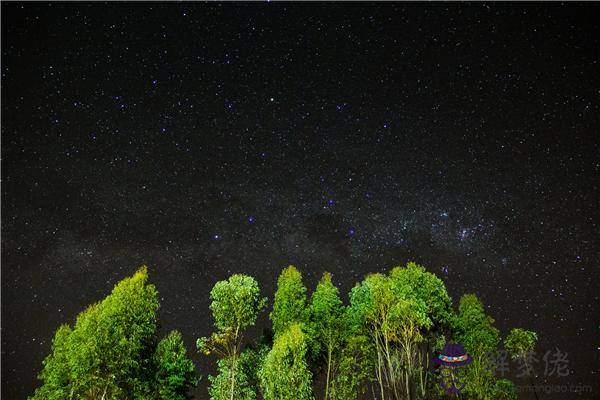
[289,305]
[327,321]
[519,342]
[284,374]
[378,345]
[112,352]
[175,372]
[235,305]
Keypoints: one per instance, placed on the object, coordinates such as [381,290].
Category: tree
[412,321]
[285,374]
[249,363]
[426,320]
[352,371]
[109,353]
[371,302]
[414,282]
[289,305]
[56,373]
[476,331]
[378,304]
[174,374]
[395,319]
[379,342]
[520,344]
[110,347]
[505,390]
[221,384]
[327,321]
[235,305]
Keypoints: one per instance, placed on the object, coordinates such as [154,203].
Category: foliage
[251,361]
[290,300]
[381,343]
[414,282]
[395,319]
[57,372]
[429,295]
[475,330]
[285,374]
[352,372]
[246,375]
[221,385]
[520,342]
[235,305]
[110,352]
[236,302]
[505,390]
[327,320]
[174,370]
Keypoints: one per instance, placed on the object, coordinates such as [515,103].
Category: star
[104,169]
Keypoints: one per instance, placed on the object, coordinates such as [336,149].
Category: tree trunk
[391,373]
[329,351]
[408,373]
[234,361]
[380,371]
[380,376]
[104,394]
[233,366]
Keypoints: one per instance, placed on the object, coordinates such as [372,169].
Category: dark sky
[207,139]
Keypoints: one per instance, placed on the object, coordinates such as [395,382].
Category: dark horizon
[208,139]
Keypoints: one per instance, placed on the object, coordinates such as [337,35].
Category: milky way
[208,139]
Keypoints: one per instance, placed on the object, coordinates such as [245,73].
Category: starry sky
[208,139]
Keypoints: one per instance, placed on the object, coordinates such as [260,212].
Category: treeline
[379,346]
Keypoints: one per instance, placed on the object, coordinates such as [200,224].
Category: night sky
[208,139]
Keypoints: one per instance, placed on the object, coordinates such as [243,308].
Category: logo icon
[453,361]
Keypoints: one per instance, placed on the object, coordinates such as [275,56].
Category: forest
[380,345]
